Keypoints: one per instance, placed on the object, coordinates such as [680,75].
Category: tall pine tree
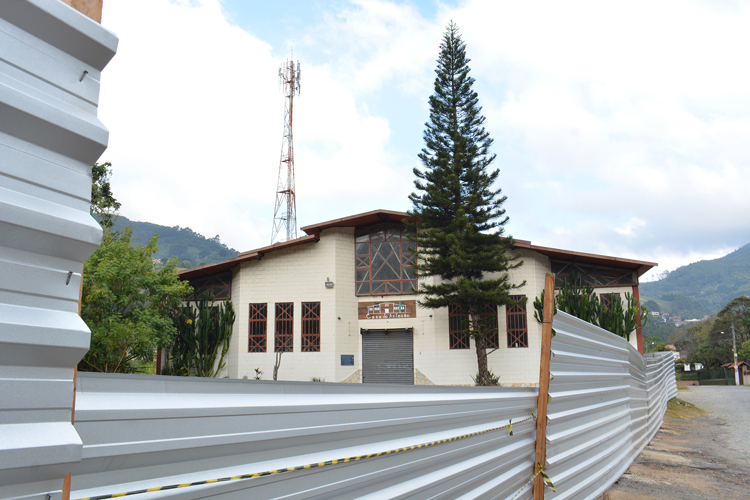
[459,233]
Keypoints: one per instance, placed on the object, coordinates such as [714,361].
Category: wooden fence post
[541,420]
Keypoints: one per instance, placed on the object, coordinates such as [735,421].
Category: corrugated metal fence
[51,57]
[606,402]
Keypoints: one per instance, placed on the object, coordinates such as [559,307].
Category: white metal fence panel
[145,432]
[51,57]
[152,431]
[606,403]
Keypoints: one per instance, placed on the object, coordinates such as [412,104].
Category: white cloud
[620,128]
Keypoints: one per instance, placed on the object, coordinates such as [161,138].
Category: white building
[339,303]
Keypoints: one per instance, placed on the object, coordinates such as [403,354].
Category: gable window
[592,274]
[283,338]
[515,321]
[384,259]
[258,328]
[217,285]
[458,323]
[311,327]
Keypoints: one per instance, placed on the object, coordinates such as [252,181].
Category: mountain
[191,249]
[702,287]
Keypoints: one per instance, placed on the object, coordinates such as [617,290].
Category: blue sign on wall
[347,360]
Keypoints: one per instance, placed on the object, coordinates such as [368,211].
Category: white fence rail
[141,432]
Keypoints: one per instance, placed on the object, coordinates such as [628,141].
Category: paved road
[731,404]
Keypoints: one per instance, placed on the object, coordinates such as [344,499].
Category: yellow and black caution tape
[547,481]
[306,466]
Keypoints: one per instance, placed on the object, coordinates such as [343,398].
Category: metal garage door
[388,356]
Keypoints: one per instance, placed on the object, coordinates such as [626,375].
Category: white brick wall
[298,274]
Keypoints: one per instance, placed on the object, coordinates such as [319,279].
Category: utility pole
[285,210]
[734,351]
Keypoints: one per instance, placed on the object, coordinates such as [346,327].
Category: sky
[620,128]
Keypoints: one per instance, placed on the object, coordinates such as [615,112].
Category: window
[594,275]
[459,323]
[384,257]
[283,339]
[218,285]
[258,322]
[608,298]
[515,322]
[311,327]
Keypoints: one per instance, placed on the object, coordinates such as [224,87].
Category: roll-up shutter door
[388,356]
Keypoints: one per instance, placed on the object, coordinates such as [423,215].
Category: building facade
[339,305]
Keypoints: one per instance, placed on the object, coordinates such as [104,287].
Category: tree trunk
[480,344]
[277,365]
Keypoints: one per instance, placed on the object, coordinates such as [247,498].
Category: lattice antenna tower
[285,210]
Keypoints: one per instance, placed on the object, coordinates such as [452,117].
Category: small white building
[339,303]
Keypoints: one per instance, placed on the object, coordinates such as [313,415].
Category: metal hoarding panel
[49,138]
[606,403]
[151,431]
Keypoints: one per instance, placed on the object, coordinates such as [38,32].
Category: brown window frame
[367,244]
[258,328]
[458,323]
[606,298]
[311,327]
[595,275]
[283,338]
[219,286]
[515,314]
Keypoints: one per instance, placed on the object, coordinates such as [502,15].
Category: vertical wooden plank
[541,421]
[90,8]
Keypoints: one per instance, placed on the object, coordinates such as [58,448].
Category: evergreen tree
[459,214]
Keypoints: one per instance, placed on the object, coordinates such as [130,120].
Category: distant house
[655,314]
[339,302]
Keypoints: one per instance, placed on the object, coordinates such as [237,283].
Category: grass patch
[682,388]
[677,408]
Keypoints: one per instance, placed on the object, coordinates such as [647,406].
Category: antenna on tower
[285,210]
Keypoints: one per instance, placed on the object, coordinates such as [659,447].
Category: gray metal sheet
[146,431]
[388,356]
[49,138]
[606,403]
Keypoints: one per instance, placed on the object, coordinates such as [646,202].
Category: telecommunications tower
[285,211]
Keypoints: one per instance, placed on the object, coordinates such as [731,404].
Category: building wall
[298,274]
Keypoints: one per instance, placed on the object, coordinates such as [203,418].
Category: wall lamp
[329,283]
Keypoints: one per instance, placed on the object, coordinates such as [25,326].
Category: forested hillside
[190,248]
[702,287]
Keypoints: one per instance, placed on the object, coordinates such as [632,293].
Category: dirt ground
[687,460]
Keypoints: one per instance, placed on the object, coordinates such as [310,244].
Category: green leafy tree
[459,216]
[203,333]
[655,344]
[104,206]
[127,304]
[744,353]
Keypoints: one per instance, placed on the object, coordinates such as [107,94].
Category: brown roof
[605,260]
[359,220]
[226,265]
[313,235]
